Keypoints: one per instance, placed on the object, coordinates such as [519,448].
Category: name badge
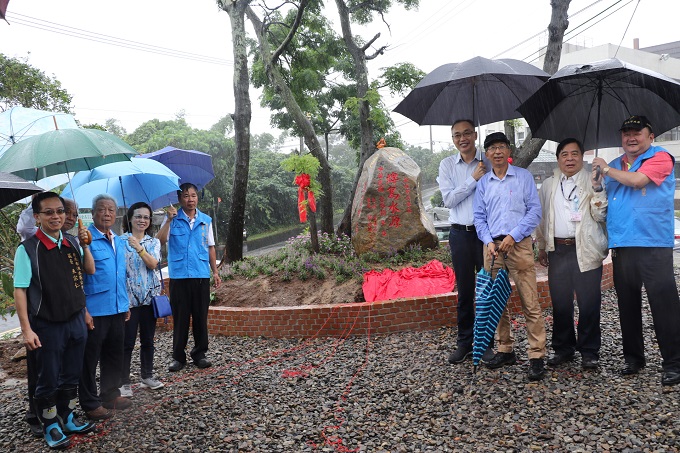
[575,216]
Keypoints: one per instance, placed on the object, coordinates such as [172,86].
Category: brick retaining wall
[423,313]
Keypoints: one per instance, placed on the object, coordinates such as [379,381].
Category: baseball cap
[636,122]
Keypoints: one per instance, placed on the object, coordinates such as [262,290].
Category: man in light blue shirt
[506,211]
[458,176]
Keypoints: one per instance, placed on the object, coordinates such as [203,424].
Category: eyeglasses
[141,217]
[51,212]
[467,134]
[493,149]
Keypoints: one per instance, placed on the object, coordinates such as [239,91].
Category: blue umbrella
[190,165]
[491,297]
[128,182]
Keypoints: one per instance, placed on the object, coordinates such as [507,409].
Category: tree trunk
[325,202]
[361,76]
[241,116]
[558,24]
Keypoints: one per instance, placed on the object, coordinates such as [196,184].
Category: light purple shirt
[506,206]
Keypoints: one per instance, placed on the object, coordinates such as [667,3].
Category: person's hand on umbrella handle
[134,243]
[543,258]
[597,176]
[491,248]
[172,212]
[84,235]
[479,171]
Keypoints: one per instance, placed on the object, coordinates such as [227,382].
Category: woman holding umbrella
[142,254]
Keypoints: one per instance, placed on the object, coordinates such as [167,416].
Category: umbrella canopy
[19,123]
[491,295]
[478,89]
[190,165]
[590,102]
[13,188]
[63,151]
[128,182]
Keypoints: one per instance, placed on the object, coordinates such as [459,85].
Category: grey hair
[103,196]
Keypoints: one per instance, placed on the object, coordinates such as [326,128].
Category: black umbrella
[479,89]
[13,188]
[590,102]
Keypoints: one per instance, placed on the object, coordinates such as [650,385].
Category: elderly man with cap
[572,242]
[640,188]
[506,212]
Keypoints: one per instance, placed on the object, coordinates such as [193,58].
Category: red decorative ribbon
[303,181]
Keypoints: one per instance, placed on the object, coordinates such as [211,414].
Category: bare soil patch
[8,368]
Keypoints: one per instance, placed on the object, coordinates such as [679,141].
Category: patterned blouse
[142,282]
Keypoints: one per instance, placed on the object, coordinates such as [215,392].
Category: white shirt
[566,202]
[458,186]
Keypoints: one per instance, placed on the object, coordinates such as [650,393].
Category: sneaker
[151,383]
[126,391]
[502,359]
[536,369]
[460,354]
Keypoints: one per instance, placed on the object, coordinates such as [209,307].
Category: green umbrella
[63,151]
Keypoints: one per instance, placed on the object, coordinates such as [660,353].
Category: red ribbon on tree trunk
[303,181]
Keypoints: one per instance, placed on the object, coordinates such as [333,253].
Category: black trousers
[104,347]
[467,257]
[190,300]
[142,319]
[653,268]
[565,278]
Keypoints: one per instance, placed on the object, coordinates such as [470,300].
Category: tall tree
[242,115]
[362,13]
[22,84]
[559,22]
[272,68]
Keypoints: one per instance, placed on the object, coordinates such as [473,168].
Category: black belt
[455,226]
[500,238]
[565,241]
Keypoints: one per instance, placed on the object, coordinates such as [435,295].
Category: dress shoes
[502,359]
[670,378]
[559,359]
[589,363]
[99,413]
[536,369]
[175,366]
[203,363]
[461,354]
[488,356]
[118,403]
[631,368]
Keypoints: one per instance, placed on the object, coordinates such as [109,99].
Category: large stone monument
[388,212]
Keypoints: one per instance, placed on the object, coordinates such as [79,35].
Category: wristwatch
[605,170]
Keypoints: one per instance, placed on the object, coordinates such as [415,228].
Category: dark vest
[56,290]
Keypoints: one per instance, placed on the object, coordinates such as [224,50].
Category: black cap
[494,138]
[636,122]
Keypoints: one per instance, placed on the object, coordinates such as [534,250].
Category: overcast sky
[117,81]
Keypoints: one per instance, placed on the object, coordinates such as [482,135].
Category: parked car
[442,230]
[439,213]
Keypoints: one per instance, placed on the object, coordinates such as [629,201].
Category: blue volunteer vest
[188,248]
[642,217]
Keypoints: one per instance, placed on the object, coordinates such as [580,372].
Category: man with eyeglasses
[26,227]
[108,307]
[458,176]
[506,211]
[52,314]
[640,187]
[572,243]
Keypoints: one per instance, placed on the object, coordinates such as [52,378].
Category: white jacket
[591,231]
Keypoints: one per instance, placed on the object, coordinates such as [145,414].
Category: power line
[79,33]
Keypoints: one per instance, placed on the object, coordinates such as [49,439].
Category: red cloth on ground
[432,278]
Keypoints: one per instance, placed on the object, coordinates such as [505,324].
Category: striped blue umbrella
[491,297]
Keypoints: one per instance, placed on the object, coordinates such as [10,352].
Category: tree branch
[377,52]
[296,24]
[368,44]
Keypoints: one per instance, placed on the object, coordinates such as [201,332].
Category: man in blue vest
[51,311]
[191,256]
[108,309]
[640,188]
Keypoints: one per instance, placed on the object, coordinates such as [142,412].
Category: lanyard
[568,198]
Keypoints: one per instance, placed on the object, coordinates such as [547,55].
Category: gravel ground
[393,393]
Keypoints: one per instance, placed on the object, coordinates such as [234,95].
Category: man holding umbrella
[458,176]
[573,233]
[506,211]
[640,189]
